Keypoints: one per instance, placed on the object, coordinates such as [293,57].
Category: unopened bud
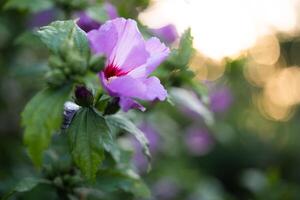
[55,78]
[65,47]
[55,62]
[84,97]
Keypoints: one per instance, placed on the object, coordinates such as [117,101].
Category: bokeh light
[224,28]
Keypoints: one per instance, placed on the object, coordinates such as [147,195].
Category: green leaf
[189,100]
[88,137]
[41,117]
[73,4]
[63,35]
[181,57]
[127,180]
[28,38]
[201,90]
[29,5]
[122,123]
[25,185]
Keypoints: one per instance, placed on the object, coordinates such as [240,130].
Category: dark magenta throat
[113,70]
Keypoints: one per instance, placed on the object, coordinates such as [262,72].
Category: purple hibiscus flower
[42,18]
[166,188]
[130,61]
[87,24]
[198,141]
[167,34]
[220,99]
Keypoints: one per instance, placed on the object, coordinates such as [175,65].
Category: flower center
[113,70]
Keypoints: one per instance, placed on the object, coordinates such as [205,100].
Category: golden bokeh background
[252,29]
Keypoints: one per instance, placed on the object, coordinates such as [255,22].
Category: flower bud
[55,78]
[76,63]
[55,62]
[65,47]
[84,97]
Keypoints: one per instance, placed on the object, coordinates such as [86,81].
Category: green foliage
[60,36]
[88,136]
[28,5]
[55,77]
[122,123]
[69,5]
[130,8]
[176,71]
[181,56]
[101,102]
[25,185]
[188,99]
[70,51]
[41,117]
[111,180]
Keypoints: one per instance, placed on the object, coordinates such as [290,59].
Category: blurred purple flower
[87,24]
[130,61]
[220,99]
[154,144]
[165,189]
[42,18]
[111,10]
[188,111]
[191,105]
[198,141]
[167,34]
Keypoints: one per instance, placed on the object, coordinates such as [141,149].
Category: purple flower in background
[167,34]
[198,141]
[42,18]
[154,144]
[111,10]
[87,24]
[166,189]
[220,99]
[130,61]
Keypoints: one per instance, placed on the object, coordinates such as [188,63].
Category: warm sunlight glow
[223,28]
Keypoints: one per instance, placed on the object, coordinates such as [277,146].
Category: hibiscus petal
[167,34]
[127,86]
[127,103]
[132,60]
[130,51]
[146,89]
[104,39]
[137,57]
[104,83]
[111,10]
[158,53]
[154,89]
